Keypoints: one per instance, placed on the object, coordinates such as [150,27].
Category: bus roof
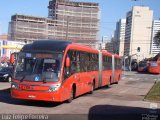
[80,47]
[46,46]
[58,46]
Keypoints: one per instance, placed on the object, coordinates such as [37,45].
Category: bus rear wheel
[92,88]
[110,81]
[118,79]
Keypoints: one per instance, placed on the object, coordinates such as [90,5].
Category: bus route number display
[43,55]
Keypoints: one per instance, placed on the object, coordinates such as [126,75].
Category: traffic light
[138,49]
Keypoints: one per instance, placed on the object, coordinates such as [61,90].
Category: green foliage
[154,93]
[157,38]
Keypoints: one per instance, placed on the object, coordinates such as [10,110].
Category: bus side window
[68,71]
[73,55]
[73,67]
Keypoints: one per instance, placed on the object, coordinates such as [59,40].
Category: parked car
[3,64]
[6,73]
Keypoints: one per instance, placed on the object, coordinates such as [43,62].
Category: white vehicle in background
[3,64]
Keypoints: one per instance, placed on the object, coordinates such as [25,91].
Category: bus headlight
[54,87]
[14,86]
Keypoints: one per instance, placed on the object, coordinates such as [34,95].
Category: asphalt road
[119,100]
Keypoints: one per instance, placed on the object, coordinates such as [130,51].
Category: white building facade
[138,32]
[119,36]
[155,49]
[9,47]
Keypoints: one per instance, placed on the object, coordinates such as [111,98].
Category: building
[3,41]
[138,32]
[155,49]
[67,20]
[13,46]
[29,28]
[76,21]
[110,45]
[3,37]
[7,47]
[119,36]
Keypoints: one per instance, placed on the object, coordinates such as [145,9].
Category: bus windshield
[38,66]
[143,65]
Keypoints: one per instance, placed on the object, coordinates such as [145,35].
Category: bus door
[71,76]
[85,78]
[76,76]
[113,69]
[75,70]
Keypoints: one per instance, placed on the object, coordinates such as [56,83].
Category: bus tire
[116,82]
[93,87]
[110,81]
[72,95]
[118,79]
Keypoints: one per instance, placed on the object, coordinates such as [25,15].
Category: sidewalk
[129,73]
[4,85]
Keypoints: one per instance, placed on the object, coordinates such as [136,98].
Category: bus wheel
[93,87]
[119,77]
[72,95]
[110,81]
[118,80]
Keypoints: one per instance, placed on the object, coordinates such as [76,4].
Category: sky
[110,11]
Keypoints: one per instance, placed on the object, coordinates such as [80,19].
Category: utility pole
[102,39]
[130,63]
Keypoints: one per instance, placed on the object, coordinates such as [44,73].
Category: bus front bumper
[35,95]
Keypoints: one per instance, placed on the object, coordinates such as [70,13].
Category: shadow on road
[5,97]
[139,73]
[111,112]
[4,82]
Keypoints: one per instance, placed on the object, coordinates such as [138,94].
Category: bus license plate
[25,87]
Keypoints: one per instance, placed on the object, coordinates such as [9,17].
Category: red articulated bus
[143,66]
[57,71]
[154,67]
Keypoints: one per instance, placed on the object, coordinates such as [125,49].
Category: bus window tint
[31,65]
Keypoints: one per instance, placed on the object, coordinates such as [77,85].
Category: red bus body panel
[154,69]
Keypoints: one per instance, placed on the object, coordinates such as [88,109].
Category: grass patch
[154,93]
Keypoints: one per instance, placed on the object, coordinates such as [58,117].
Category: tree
[157,38]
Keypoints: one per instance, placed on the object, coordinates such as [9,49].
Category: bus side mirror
[68,62]
[12,58]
